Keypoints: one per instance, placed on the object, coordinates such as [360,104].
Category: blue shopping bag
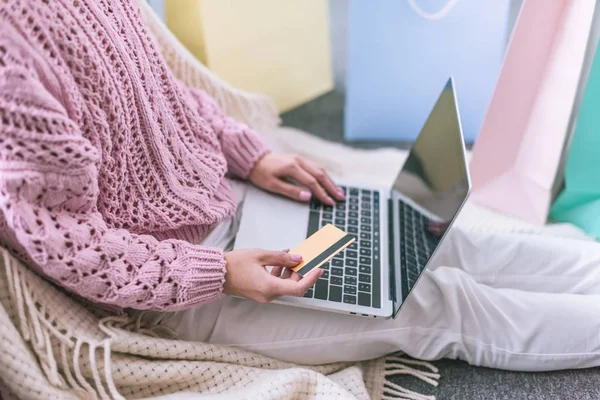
[400,54]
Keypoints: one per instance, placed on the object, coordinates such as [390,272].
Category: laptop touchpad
[271,222]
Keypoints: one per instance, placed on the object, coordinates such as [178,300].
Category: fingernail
[296,257]
[304,195]
[321,273]
[340,191]
[330,201]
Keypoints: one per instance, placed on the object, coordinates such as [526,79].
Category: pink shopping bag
[516,156]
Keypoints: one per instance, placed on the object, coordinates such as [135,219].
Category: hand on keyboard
[272,171]
[246,275]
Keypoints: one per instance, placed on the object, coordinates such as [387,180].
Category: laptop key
[365,235]
[349,289]
[365,252]
[349,280]
[365,228]
[337,271]
[366,192]
[364,278]
[349,299]
[339,256]
[364,287]
[340,221]
[351,254]
[321,289]
[364,299]
[351,262]
[353,214]
[365,213]
[365,206]
[353,200]
[352,229]
[309,294]
[336,280]
[337,262]
[365,220]
[353,245]
[353,207]
[365,260]
[314,203]
[313,223]
[350,271]
[352,222]
[365,243]
[325,275]
[335,293]
[364,269]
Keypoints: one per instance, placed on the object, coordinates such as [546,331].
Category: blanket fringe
[399,365]
[109,325]
[61,370]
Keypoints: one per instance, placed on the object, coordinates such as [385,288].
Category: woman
[117,183]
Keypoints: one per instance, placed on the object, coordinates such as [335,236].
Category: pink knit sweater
[110,167]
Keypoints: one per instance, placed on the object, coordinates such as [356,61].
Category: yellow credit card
[320,247]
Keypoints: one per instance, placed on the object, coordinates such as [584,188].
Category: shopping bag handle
[433,16]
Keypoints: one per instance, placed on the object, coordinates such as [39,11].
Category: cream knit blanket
[54,348]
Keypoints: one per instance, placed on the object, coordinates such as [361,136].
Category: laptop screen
[428,193]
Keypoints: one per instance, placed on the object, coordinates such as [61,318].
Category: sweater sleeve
[241,146]
[48,192]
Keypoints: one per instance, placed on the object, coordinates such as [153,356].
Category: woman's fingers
[303,177]
[286,274]
[276,271]
[291,287]
[321,176]
[279,259]
[295,276]
[289,190]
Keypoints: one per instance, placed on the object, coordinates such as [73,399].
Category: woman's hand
[247,276]
[271,172]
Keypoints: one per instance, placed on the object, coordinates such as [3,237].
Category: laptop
[398,229]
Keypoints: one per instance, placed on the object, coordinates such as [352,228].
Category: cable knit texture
[109,166]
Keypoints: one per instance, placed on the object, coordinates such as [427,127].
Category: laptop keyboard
[353,275]
[416,241]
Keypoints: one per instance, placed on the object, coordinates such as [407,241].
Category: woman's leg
[451,314]
[522,261]
[448,315]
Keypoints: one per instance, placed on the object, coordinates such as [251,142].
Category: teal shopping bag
[400,52]
[579,201]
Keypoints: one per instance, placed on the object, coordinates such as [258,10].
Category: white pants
[509,301]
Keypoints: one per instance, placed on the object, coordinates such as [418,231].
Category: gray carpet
[323,117]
